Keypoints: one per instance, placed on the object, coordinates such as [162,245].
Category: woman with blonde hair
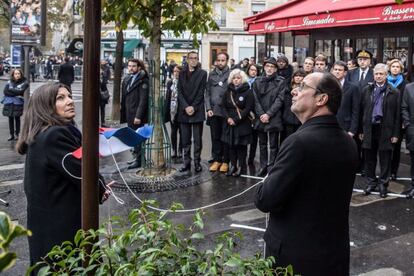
[397,80]
[238,101]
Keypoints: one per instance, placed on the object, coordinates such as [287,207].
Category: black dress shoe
[240,171]
[211,160]
[232,170]
[11,138]
[262,172]
[369,189]
[383,190]
[134,165]
[197,168]
[393,176]
[131,161]
[409,193]
[184,169]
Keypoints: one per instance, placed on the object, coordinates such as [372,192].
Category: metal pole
[26,49]
[90,118]
[255,48]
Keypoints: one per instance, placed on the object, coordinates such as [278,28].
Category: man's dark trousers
[216,128]
[194,130]
[273,138]
[371,159]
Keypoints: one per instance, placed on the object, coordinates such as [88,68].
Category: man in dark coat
[191,112]
[364,74]
[134,101]
[407,112]
[216,88]
[348,113]
[380,123]
[269,91]
[66,73]
[308,226]
[49,68]
[361,77]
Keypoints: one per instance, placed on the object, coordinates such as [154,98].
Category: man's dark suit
[307,194]
[354,75]
[348,113]
[66,74]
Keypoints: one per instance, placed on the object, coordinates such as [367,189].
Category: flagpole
[90,118]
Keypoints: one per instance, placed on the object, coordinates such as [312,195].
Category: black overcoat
[244,100]
[307,193]
[391,117]
[191,89]
[53,196]
[66,74]
[348,112]
[15,89]
[407,112]
[134,101]
[269,93]
[289,118]
[216,87]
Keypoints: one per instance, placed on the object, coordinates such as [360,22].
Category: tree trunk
[158,153]
[116,97]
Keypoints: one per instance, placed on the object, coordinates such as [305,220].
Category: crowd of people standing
[247,104]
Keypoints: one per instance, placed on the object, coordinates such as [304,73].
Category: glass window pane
[370,44]
[396,47]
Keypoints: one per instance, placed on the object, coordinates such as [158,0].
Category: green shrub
[8,232]
[147,243]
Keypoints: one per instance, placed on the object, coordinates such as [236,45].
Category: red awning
[310,14]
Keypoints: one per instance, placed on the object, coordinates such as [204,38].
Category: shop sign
[321,21]
[397,14]
[174,45]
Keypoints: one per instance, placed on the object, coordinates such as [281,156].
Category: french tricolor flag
[115,140]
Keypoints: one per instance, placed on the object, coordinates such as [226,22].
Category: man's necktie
[362,76]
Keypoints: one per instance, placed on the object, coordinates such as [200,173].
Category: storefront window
[324,47]
[396,47]
[370,44]
[348,51]
[301,48]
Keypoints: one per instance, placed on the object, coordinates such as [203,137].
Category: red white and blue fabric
[116,140]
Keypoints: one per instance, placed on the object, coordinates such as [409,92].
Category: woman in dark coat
[252,72]
[290,121]
[52,182]
[171,107]
[103,96]
[397,80]
[13,101]
[238,101]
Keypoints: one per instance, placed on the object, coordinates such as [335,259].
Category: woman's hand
[107,192]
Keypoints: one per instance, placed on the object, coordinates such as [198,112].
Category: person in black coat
[191,112]
[52,181]
[134,102]
[215,90]
[407,112]
[290,121]
[252,74]
[308,226]
[379,128]
[103,95]
[348,113]
[269,91]
[238,102]
[66,73]
[171,106]
[13,101]
[284,69]
[397,80]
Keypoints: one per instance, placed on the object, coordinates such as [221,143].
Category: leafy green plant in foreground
[148,243]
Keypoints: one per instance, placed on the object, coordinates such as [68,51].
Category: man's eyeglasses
[303,85]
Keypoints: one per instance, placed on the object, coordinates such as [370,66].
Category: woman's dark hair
[331,86]
[299,72]
[40,114]
[252,65]
[12,74]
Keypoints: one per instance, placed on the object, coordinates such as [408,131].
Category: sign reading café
[327,19]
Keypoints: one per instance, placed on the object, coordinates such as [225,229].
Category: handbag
[251,115]
[104,95]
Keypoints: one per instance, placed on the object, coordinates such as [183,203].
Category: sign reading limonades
[28,21]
